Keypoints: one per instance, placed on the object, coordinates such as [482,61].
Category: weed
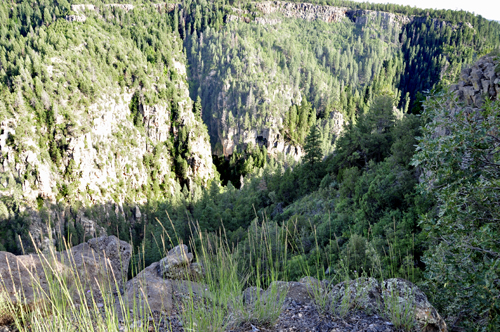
[400,313]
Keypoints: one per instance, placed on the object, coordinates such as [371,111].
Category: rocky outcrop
[399,294]
[84,7]
[304,11]
[101,264]
[81,8]
[76,18]
[478,82]
[363,17]
[104,159]
[153,287]
[391,297]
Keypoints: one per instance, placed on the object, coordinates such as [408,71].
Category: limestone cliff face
[363,17]
[109,159]
[329,14]
[226,136]
[304,11]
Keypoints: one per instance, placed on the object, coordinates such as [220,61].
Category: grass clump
[61,300]
[400,313]
[220,303]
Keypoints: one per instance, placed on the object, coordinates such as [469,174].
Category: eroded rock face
[363,17]
[478,83]
[106,151]
[76,18]
[100,264]
[305,11]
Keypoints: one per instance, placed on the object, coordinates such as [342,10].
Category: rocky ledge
[161,289]
[478,82]
[306,11]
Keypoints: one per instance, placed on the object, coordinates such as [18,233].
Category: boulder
[403,292]
[252,294]
[361,293]
[176,264]
[292,291]
[100,264]
[23,278]
[148,291]
[103,259]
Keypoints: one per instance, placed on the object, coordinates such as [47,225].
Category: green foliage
[458,153]
[312,147]
[135,112]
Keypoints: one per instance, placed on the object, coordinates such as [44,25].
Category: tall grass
[222,304]
[64,301]
[215,301]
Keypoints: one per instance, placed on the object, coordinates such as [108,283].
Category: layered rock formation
[478,82]
[304,11]
[363,17]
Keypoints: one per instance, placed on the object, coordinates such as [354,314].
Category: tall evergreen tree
[313,150]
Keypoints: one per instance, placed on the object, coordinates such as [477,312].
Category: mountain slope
[90,115]
[272,55]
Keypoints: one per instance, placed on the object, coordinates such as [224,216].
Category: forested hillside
[272,56]
[93,115]
[324,124]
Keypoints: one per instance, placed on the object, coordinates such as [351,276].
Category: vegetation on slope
[360,201]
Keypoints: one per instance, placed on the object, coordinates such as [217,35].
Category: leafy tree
[460,159]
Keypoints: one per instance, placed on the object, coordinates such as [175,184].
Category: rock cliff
[478,82]
[304,11]
[112,150]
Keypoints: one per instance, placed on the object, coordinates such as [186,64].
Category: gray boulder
[101,264]
[404,293]
[361,293]
[252,294]
[148,291]
[176,264]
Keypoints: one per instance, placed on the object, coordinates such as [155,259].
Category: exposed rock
[100,264]
[79,8]
[363,293]
[76,18]
[292,291]
[266,20]
[106,151]
[90,227]
[177,265]
[305,11]
[124,6]
[99,260]
[363,17]
[137,213]
[149,291]
[478,82]
[407,294]
[252,294]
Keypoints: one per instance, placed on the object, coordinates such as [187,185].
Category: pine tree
[312,147]
[197,107]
